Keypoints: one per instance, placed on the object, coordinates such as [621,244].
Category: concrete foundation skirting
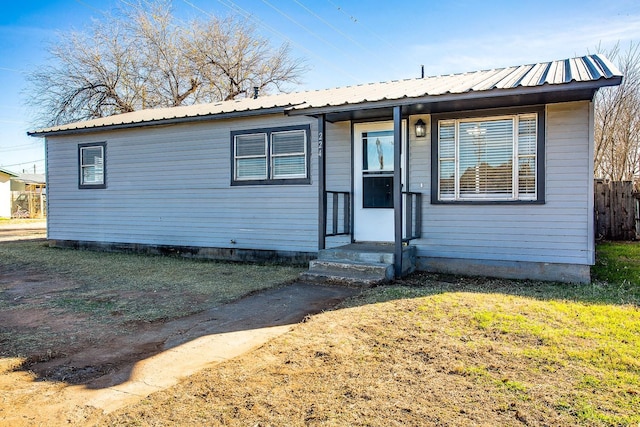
[220,254]
[567,273]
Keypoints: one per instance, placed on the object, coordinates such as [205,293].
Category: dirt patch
[21,286]
[74,349]
[450,351]
[29,321]
[411,356]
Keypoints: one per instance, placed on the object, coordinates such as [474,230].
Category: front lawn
[618,270]
[428,350]
[110,292]
[436,350]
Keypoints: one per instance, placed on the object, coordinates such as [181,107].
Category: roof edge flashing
[159,122]
[573,86]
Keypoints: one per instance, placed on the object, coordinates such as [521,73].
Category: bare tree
[617,120]
[235,60]
[143,57]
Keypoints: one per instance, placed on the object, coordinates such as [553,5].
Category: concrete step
[348,272]
[362,264]
[367,254]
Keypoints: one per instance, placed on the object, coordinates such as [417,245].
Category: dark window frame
[269,180]
[540,110]
[103,184]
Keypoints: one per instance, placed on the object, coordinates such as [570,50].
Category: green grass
[427,352]
[617,270]
[585,337]
[615,280]
[516,345]
[428,349]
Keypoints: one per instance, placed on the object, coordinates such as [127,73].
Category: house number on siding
[320,144]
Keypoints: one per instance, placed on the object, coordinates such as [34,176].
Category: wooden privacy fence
[615,210]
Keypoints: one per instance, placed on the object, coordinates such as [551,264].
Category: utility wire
[234,7]
[355,21]
[12,149]
[90,7]
[328,24]
[304,28]
[13,70]
[343,34]
[23,163]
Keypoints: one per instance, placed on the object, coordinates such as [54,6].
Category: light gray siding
[555,232]
[171,186]
[338,153]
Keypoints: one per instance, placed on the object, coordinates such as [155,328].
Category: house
[28,195]
[22,195]
[5,192]
[487,172]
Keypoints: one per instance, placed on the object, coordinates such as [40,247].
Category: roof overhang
[496,98]
[574,79]
[6,172]
[161,122]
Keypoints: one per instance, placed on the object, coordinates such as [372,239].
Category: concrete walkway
[192,344]
[163,354]
[22,230]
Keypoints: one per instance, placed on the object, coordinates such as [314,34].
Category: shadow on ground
[110,363]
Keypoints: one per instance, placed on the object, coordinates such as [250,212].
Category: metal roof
[7,172]
[31,178]
[587,72]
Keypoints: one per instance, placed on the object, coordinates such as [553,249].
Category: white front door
[373,181]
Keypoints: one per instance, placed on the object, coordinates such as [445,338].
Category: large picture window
[491,158]
[92,165]
[271,156]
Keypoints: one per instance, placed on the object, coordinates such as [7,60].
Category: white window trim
[236,157]
[82,166]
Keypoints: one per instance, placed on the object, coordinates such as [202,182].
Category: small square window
[92,165]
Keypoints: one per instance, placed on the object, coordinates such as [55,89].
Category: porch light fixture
[421,129]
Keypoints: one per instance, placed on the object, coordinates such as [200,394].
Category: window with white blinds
[288,154]
[489,158]
[251,156]
[271,155]
[92,165]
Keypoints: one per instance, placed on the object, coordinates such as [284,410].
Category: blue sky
[345,42]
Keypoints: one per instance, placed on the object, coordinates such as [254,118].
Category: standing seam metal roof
[595,69]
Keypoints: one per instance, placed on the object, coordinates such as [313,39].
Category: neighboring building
[5,193]
[28,195]
[22,195]
[488,172]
